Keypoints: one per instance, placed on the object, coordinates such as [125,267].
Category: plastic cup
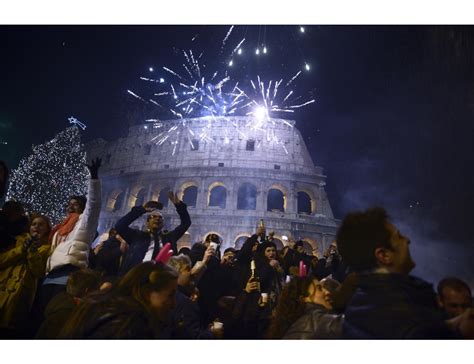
[264,297]
[217,325]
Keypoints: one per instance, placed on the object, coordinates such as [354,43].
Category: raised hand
[174,198]
[94,168]
[152,205]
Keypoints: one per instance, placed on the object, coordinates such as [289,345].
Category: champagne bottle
[261,226]
[253,276]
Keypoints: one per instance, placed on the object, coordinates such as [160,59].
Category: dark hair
[454,283]
[184,250]
[81,199]
[299,243]
[145,278]
[229,250]
[123,312]
[290,306]
[360,233]
[83,281]
[263,246]
[214,238]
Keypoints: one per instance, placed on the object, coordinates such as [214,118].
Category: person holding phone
[21,267]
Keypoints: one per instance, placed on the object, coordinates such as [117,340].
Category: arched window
[163,196]
[275,200]
[278,243]
[247,197]
[308,249]
[304,203]
[190,196]
[185,241]
[140,197]
[119,200]
[240,241]
[217,197]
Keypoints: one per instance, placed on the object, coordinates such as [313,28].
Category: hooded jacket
[20,270]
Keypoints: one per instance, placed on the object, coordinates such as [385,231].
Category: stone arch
[214,232]
[240,240]
[247,196]
[163,196]
[278,242]
[184,241]
[276,199]
[304,203]
[310,244]
[188,193]
[115,200]
[217,195]
[137,196]
[311,195]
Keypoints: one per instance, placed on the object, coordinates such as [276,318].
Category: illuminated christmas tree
[55,170]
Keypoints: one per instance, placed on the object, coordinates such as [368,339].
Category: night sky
[392,124]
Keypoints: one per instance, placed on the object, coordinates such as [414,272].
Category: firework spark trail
[301,105]
[268,89]
[154,102]
[276,88]
[185,86]
[196,63]
[135,95]
[174,92]
[289,94]
[192,40]
[222,82]
[225,38]
[187,58]
[238,46]
[150,79]
[187,70]
[162,94]
[294,78]
[282,110]
[172,72]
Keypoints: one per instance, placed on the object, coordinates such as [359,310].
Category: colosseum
[230,172]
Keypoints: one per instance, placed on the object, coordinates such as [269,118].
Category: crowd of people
[138,285]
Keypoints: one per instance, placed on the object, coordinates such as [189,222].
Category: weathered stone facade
[233,153]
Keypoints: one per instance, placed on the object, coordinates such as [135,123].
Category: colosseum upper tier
[230,171]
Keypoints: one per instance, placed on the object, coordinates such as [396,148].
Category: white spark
[301,105]
[226,37]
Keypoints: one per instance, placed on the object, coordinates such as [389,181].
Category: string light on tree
[54,171]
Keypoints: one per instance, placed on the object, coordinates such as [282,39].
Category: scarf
[66,226]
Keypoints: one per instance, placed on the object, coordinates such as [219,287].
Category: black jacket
[394,306]
[316,323]
[139,240]
[186,320]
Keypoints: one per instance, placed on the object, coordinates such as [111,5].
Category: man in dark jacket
[387,303]
[145,245]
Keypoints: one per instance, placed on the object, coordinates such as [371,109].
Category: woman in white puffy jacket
[71,240]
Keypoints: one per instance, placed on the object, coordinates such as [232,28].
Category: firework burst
[190,90]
